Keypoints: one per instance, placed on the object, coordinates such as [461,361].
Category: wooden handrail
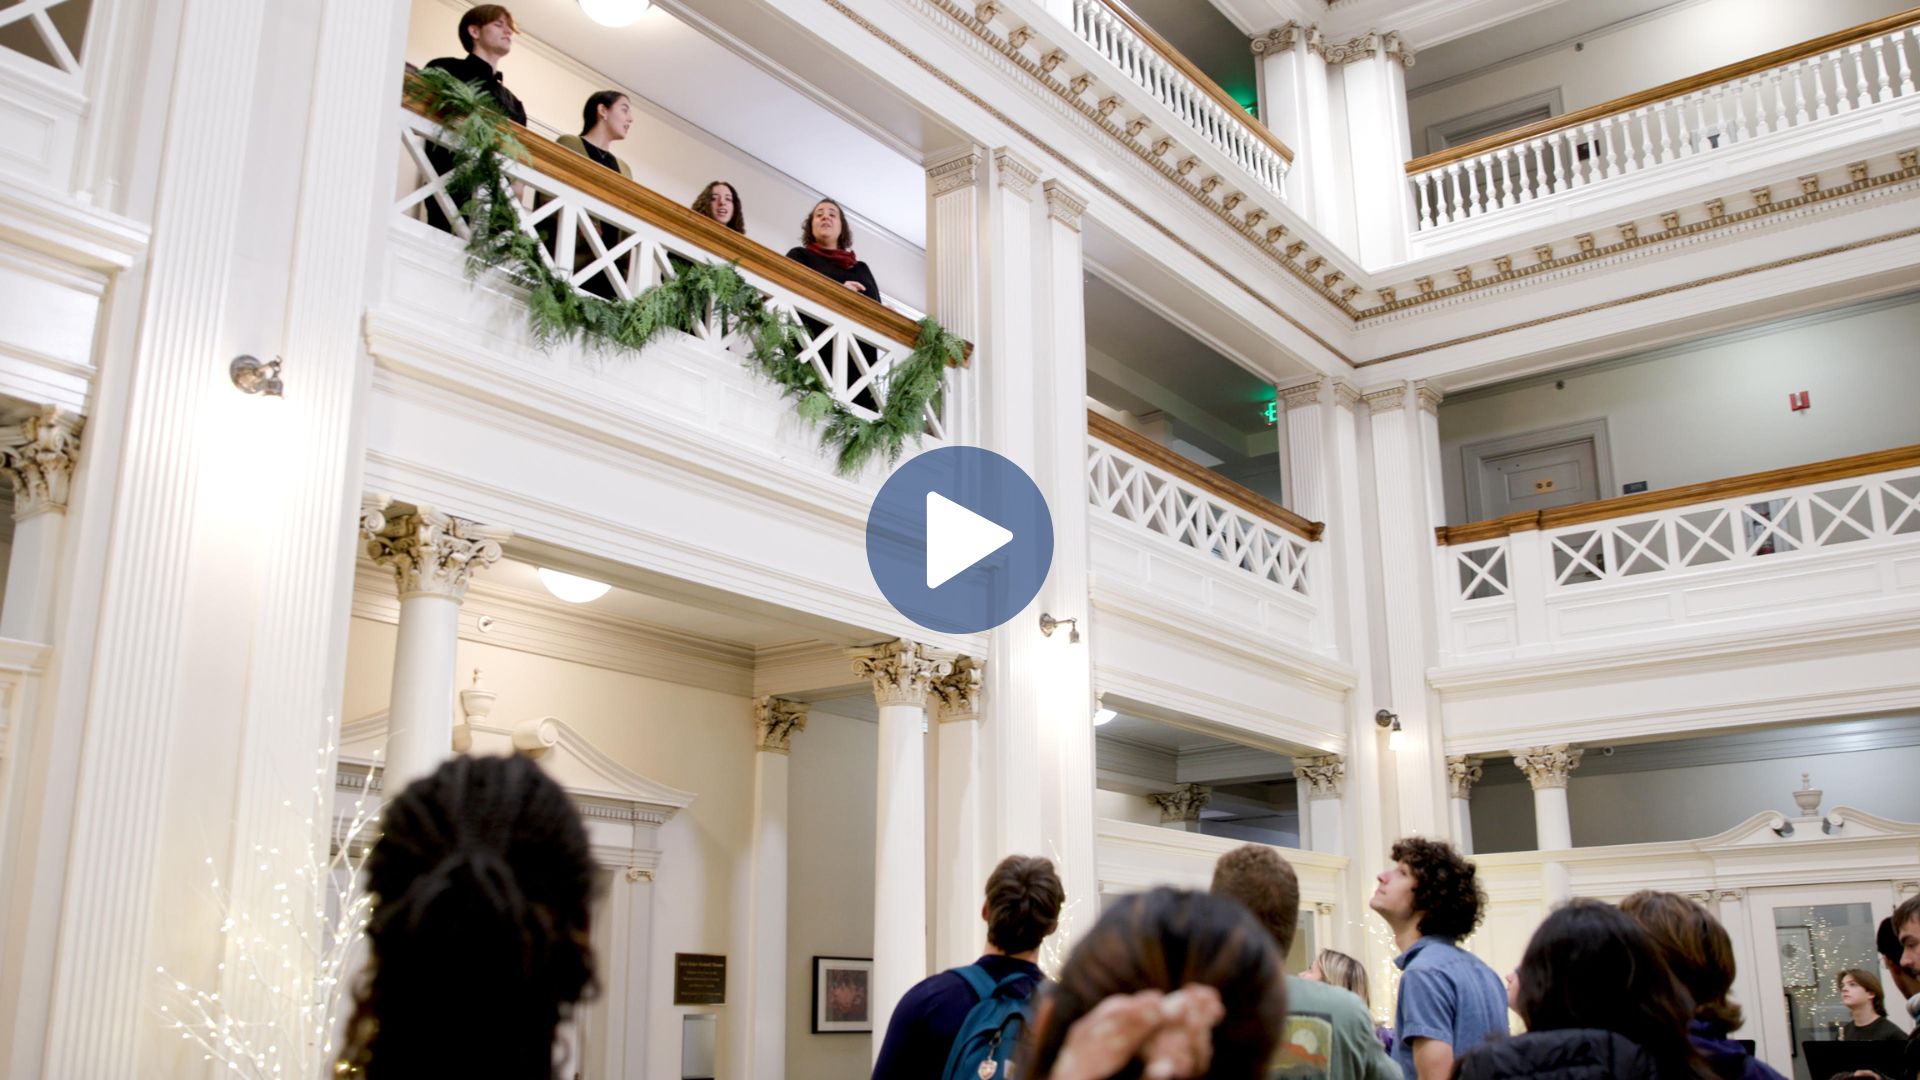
[1760,483]
[1678,88]
[576,170]
[1201,79]
[1203,478]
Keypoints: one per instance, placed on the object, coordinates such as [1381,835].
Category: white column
[776,720]
[955,287]
[37,455]
[1323,777]
[1406,472]
[1462,774]
[1547,769]
[958,858]
[1292,76]
[433,557]
[1307,406]
[1180,808]
[1374,86]
[903,674]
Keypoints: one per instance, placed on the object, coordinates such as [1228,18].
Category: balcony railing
[1506,583]
[1780,91]
[618,238]
[1146,59]
[1152,488]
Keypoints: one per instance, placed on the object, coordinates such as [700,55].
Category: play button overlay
[959,540]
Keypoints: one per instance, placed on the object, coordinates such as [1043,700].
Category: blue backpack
[984,1048]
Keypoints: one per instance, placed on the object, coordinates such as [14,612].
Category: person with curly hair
[1450,1000]
[482,880]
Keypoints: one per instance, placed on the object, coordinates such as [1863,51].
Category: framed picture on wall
[842,995]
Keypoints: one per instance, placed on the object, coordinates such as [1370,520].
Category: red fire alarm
[1798,401]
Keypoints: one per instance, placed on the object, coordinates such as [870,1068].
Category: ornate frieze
[1301,395]
[1183,804]
[1323,775]
[1548,766]
[1063,205]
[431,552]
[775,721]
[903,672]
[1386,399]
[1366,47]
[1284,37]
[38,455]
[953,174]
[1462,773]
[1015,175]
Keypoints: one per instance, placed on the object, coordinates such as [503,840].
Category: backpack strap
[977,978]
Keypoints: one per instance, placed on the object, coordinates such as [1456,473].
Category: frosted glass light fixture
[571,587]
[1395,737]
[1103,716]
[615,13]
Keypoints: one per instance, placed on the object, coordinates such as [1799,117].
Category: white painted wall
[668,154]
[829,879]
[1120,806]
[1687,40]
[692,739]
[1699,801]
[1719,408]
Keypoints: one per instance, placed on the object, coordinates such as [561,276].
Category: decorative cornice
[1323,775]
[1301,395]
[902,672]
[1345,394]
[1063,205]
[1286,36]
[1183,803]
[431,552]
[1427,397]
[957,694]
[1462,773]
[38,455]
[1366,47]
[775,721]
[1015,174]
[1548,766]
[953,174]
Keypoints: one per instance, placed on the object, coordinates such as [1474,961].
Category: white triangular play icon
[957,538]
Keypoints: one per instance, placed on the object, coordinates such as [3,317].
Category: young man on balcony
[486,32]
[1450,1000]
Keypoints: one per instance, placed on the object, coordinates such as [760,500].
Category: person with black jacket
[486,32]
[826,246]
[1600,1004]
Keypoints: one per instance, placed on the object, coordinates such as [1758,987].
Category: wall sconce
[1048,624]
[1102,715]
[1386,719]
[255,376]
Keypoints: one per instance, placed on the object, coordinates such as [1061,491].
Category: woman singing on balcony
[603,121]
[827,246]
[719,202]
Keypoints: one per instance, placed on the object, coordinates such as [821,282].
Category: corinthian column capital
[1183,803]
[958,693]
[1324,775]
[1548,766]
[775,721]
[38,455]
[903,672]
[1462,774]
[431,552]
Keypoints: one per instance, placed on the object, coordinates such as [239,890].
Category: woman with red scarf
[828,248]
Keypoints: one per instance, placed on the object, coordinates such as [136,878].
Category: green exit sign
[1271,413]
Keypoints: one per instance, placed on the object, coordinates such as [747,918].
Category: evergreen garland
[477,183]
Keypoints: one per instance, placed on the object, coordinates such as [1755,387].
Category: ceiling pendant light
[615,13]
[572,588]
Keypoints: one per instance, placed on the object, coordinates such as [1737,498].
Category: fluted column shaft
[903,674]
[433,557]
[776,721]
[959,879]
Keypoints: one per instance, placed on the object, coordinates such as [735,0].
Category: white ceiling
[770,92]
[629,605]
[1547,27]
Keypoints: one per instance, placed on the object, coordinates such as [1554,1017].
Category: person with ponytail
[826,245]
[481,881]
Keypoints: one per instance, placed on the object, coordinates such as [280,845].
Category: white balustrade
[1096,24]
[1153,499]
[1504,592]
[1777,100]
[615,254]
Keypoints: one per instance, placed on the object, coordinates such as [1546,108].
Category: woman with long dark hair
[1599,1002]
[1189,981]
[719,201]
[481,879]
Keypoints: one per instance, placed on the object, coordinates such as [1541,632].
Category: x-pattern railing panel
[1483,571]
[1148,497]
[43,41]
[604,251]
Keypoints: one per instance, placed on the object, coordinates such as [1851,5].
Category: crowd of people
[486,36]
[482,879]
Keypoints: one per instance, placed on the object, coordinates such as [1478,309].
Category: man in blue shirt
[1450,1000]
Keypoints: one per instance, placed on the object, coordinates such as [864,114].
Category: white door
[1538,478]
[1803,938]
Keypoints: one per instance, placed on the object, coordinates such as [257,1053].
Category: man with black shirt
[486,32]
[1023,906]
